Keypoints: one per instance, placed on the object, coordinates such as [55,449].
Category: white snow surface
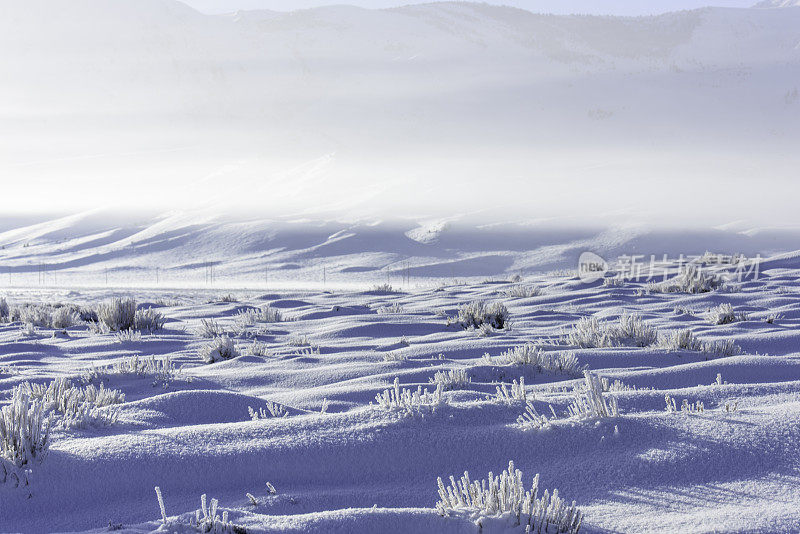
[359,469]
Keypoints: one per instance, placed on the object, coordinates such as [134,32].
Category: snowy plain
[361,468]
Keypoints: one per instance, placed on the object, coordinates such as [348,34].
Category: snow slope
[362,470]
[178,249]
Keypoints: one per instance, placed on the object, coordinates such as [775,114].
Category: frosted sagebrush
[118,314]
[391,308]
[686,407]
[273,410]
[724,314]
[691,280]
[409,402]
[685,339]
[219,348]
[451,379]
[477,313]
[531,419]
[522,291]
[4,310]
[532,355]
[515,393]
[394,356]
[209,328]
[506,497]
[148,320]
[24,429]
[162,370]
[629,331]
[73,406]
[591,402]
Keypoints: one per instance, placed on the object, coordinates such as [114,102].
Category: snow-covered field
[342,461]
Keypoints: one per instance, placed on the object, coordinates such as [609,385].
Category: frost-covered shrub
[265,314]
[391,308]
[127,336]
[479,312]
[299,341]
[506,497]
[210,328]
[228,298]
[613,281]
[724,314]
[691,280]
[521,291]
[516,393]
[686,408]
[63,317]
[219,348]
[206,519]
[382,289]
[530,354]
[394,356]
[686,340]
[629,331]
[683,339]
[721,349]
[162,370]
[591,403]
[259,348]
[39,315]
[273,410]
[24,429]
[148,320]
[118,314]
[408,402]
[75,407]
[451,379]
[531,419]
[4,310]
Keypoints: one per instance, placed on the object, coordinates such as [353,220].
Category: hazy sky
[610,7]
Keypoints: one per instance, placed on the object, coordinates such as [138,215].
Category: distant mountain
[778,3]
[350,110]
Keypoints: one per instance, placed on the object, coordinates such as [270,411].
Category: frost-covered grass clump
[506,498]
[219,348]
[629,331]
[451,379]
[724,314]
[41,315]
[162,370]
[206,518]
[515,393]
[273,410]
[692,280]
[148,320]
[409,402]
[24,429]
[523,291]
[117,314]
[73,406]
[264,314]
[591,402]
[532,355]
[685,339]
[478,313]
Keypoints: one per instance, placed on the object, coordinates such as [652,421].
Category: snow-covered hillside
[149,102]
[179,249]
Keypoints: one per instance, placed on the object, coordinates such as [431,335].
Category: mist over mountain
[416,110]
